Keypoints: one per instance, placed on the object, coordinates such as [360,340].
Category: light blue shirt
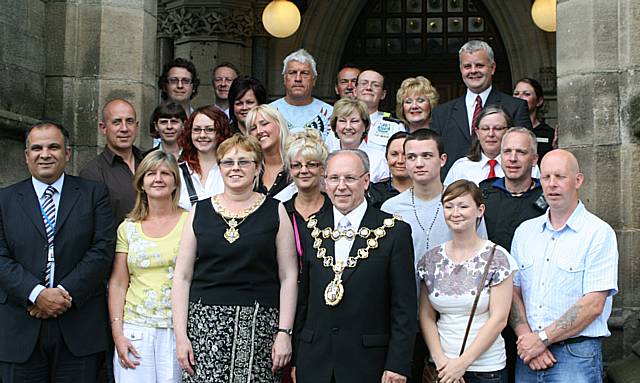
[40,187]
[558,267]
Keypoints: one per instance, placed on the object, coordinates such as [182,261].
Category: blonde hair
[346,106]
[309,144]
[271,113]
[419,85]
[151,162]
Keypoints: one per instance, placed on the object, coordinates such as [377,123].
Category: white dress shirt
[212,186]
[343,245]
[478,171]
[470,103]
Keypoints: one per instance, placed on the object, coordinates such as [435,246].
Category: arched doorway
[404,38]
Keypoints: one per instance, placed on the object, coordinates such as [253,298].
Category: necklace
[334,291]
[433,221]
[233,220]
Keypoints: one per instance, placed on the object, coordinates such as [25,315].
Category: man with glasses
[223,75]
[454,120]
[370,89]
[298,106]
[179,83]
[356,316]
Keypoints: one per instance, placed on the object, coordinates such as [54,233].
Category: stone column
[95,51]
[208,33]
[599,114]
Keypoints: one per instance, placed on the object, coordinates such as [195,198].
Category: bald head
[564,156]
[561,179]
[116,101]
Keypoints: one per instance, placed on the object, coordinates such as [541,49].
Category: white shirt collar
[484,160]
[470,98]
[354,216]
[40,187]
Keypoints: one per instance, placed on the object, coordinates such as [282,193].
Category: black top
[301,223]
[380,192]
[239,273]
[545,135]
[505,212]
[111,170]
[281,182]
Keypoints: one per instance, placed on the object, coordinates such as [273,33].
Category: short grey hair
[477,45]
[301,56]
[364,158]
[533,140]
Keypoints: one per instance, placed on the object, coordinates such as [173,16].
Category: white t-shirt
[381,130]
[315,115]
[452,287]
[213,185]
[478,171]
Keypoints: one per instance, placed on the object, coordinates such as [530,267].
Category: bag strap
[475,301]
[296,234]
[193,196]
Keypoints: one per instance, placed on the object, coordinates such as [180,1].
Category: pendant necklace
[433,221]
[233,220]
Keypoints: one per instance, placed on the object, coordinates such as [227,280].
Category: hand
[35,312]
[542,361]
[184,353]
[123,348]
[53,301]
[529,346]
[280,351]
[392,377]
[293,374]
[452,371]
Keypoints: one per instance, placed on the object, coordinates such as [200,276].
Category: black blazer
[451,122]
[373,328]
[84,249]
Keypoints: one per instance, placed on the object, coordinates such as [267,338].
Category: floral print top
[151,262]
[451,288]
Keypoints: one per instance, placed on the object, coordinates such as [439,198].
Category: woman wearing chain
[455,274]
[235,285]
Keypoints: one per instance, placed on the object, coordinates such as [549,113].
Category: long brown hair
[189,151]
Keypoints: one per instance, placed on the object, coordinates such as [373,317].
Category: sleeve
[601,264]
[514,254]
[91,172]
[502,267]
[521,115]
[122,241]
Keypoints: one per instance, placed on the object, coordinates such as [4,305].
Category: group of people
[300,241]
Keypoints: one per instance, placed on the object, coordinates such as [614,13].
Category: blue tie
[49,217]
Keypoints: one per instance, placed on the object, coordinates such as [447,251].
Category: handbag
[430,372]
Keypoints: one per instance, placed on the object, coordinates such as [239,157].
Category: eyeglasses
[309,165]
[486,129]
[241,163]
[349,180]
[176,80]
[207,129]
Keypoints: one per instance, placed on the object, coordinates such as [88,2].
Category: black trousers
[51,361]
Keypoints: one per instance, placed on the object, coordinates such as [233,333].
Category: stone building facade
[61,60]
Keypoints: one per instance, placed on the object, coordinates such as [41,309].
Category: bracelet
[287,331]
[115,320]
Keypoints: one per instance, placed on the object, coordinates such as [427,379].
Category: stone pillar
[260,50]
[95,51]
[208,33]
[599,113]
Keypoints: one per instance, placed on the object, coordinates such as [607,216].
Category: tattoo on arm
[568,319]
[515,316]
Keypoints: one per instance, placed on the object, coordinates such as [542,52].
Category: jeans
[577,362]
[500,376]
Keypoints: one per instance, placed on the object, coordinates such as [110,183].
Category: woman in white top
[350,122]
[205,129]
[451,273]
[484,154]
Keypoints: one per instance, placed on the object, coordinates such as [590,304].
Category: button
[547,259]
[133,336]
[540,327]
[553,238]
[540,306]
[542,283]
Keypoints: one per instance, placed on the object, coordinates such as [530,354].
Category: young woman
[140,282]
[167,122]
[451,274]
[399,181]
[531,91]
[245,93]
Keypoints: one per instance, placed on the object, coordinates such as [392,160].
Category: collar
[470,98]
[575,222]
[354,216]
[484,160]
[376,116]
[111,157]
[40,187]
[500,185]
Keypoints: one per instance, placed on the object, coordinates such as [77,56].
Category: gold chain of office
[334,291]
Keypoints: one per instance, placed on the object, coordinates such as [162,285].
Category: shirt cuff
[35,292]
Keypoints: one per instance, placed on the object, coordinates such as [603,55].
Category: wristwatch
[543,337]
[287,331]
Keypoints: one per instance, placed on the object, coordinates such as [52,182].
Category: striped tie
[49,217]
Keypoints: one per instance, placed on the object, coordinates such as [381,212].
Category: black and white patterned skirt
[232,343]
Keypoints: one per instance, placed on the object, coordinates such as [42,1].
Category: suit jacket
[373,328]
[84,249]
[451,122]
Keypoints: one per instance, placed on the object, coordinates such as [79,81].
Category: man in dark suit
[453,120]
[356,316]
[56,249]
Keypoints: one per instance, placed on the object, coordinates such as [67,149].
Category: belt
[578,339]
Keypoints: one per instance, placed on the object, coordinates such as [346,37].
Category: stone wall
[599,112]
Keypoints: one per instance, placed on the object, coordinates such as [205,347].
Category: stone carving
[188,22]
